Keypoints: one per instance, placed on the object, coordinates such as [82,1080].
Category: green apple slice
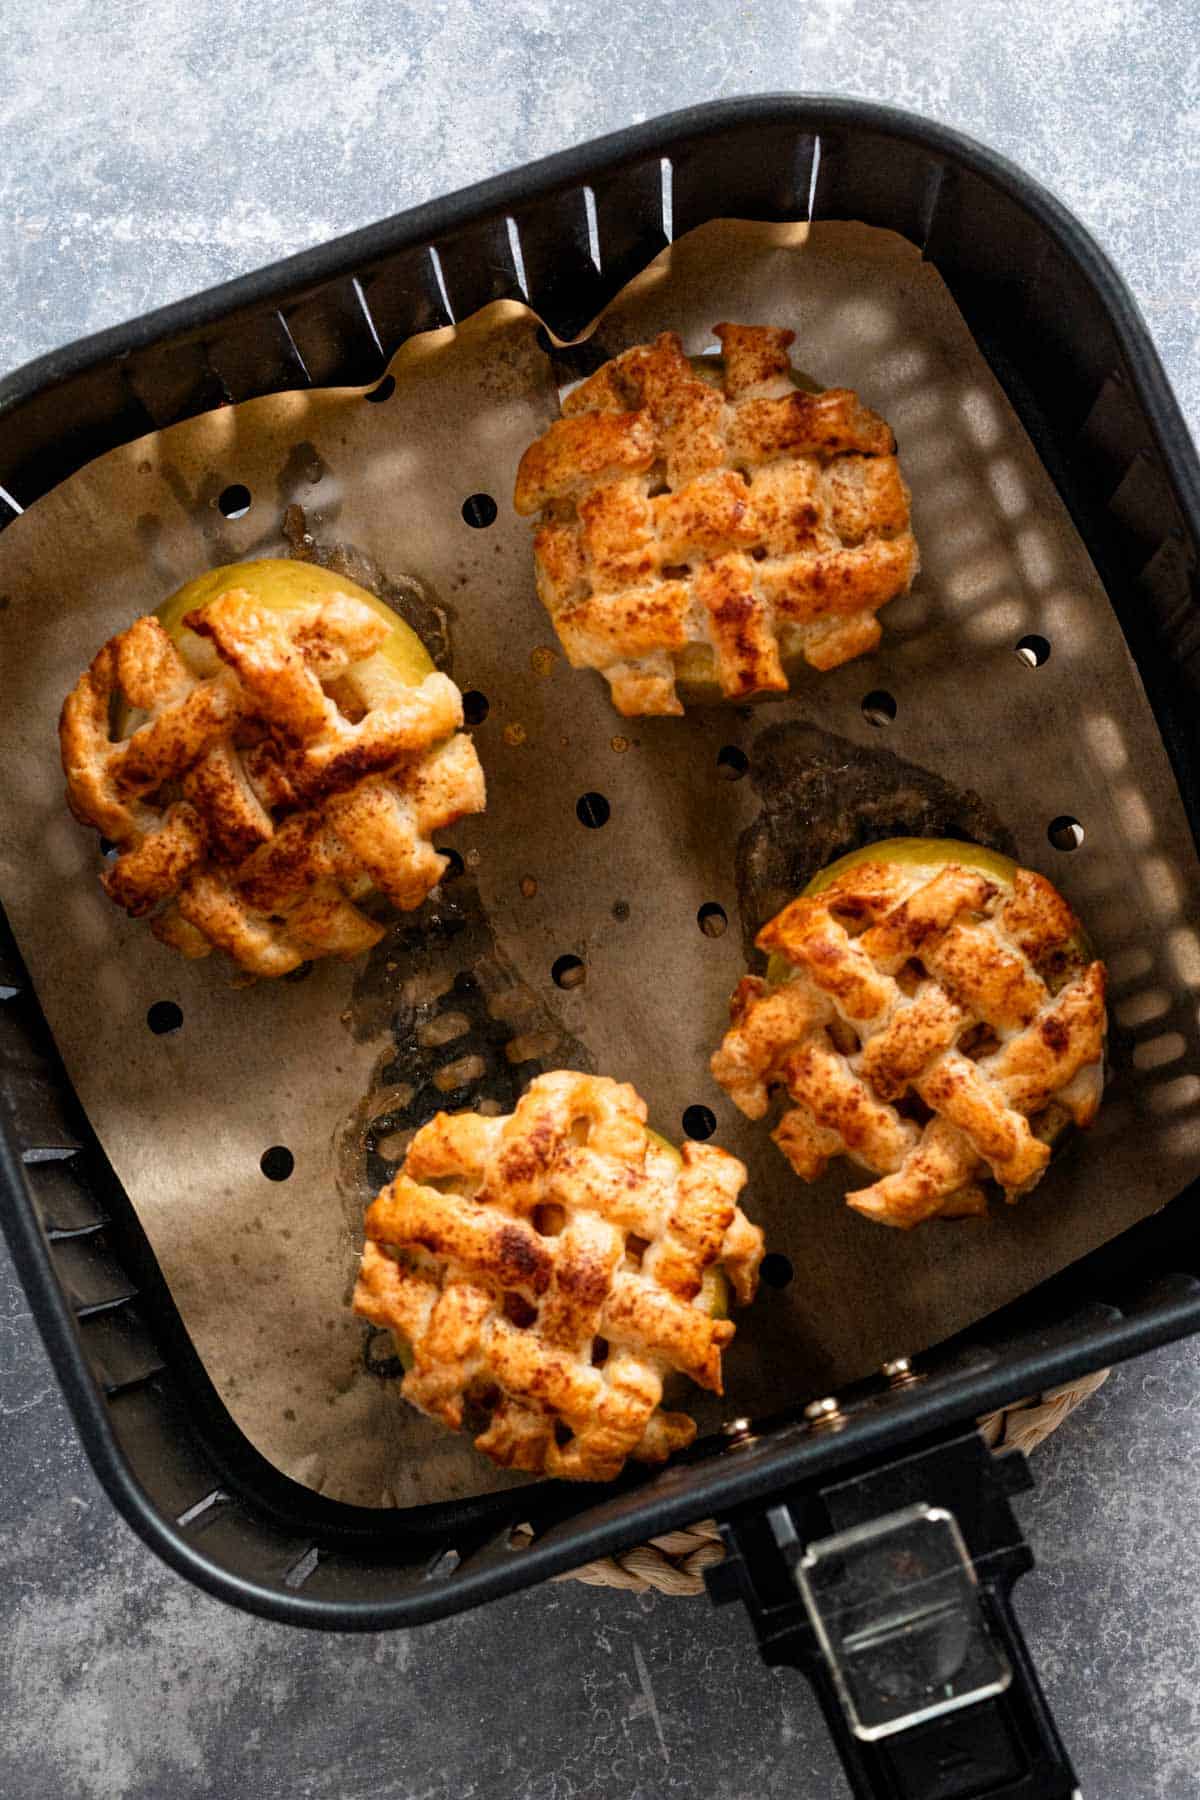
[916,852]
[283,585]
[919,852]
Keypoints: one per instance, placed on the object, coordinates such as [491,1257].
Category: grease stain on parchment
[459,1029]
[823,796]
[406,594]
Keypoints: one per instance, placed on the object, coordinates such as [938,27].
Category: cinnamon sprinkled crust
[546,1268]
[714,528]
[937,1027]
[271,785]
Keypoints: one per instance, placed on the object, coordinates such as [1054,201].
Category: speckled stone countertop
[150,149]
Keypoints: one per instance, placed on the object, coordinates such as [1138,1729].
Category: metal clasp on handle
[889,1585]
[895,1607]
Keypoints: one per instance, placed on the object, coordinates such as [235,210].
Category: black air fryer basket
[874,1547]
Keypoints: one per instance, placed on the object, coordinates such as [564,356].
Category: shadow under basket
[886,1465]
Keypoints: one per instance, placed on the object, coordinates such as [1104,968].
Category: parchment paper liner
[261,1271]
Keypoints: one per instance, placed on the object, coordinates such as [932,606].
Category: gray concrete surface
[149,149]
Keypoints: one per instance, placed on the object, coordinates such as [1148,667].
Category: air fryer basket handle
[1006,1747]
[891,1590]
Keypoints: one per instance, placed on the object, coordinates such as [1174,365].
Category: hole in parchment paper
[479,511]
[277,1163]
[776,1270]
[107,848]
[712,919]
[568,971]
[454,863]
[1065,833]
[1033,650]
[732,763]
[384,391]
[699,1122]
[475,707]
[234,501]
[592,810]
[879,707]
[164,1016]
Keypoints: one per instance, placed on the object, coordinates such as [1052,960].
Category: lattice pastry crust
[937,1027]
[714,527]
[282,771]
[546,1267]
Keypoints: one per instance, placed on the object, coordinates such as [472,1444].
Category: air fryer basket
[1067,344]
